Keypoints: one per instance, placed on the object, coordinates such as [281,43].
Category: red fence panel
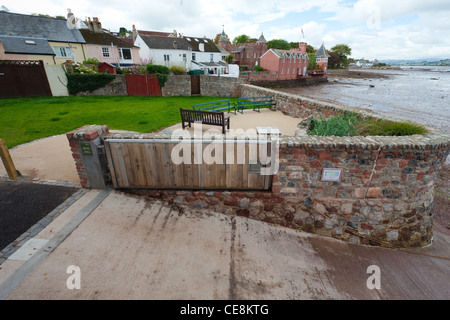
[153,85]
[143,85]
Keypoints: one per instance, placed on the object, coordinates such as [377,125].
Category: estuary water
[418,94]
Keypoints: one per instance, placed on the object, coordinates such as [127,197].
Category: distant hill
[418,62]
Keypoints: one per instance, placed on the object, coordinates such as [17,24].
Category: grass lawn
[27,119]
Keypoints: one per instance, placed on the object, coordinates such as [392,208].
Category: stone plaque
[331,174]
[86,149]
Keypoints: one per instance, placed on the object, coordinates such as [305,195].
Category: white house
[166,51]
[206,56]
[189,53]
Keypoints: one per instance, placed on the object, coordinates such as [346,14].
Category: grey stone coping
[430,141]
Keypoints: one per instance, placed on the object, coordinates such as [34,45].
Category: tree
[334,60]
[293,45]
[243,38]
[310,49]
[229,58]
[123,31]
[278,44]
[311,60]
[216,39]
[343,51]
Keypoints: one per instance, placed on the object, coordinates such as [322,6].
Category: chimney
[97,26]
[175,33]
[90,24]
[134,33]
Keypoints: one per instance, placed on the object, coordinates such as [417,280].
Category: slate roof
[103,38]
[194,43]
[224,37]
[155,42]
[279,53]
[322,52]
[51,29]
[262,39]
[153,33]
[19,45]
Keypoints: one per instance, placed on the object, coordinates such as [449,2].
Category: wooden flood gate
[23,78]
[150,164]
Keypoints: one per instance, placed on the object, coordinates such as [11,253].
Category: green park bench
[217,106]
[257,103]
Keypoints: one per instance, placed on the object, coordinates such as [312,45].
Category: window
[166,57]
[287,71]
[212,57]
[63,52]
[248,55]
[184,57]
[193,56]
[254,55]
[281,70]
[105,51]
[125,54]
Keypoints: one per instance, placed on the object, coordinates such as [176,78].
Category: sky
[374,29]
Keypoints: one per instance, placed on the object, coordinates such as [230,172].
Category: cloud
[373,28]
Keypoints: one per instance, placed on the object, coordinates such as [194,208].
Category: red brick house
[288,64]
[322,58]
[246,55]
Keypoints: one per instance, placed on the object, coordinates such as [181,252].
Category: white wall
[57,80]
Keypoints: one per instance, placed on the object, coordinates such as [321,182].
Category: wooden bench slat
[205,117]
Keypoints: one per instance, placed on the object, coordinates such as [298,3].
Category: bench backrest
[255,101]
[212,105]
[202,116]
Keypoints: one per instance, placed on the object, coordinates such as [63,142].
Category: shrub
[340,126]
[93,61]
[177,70]
[161,71]
[259,68]
[134,70]
[87,82]
[353,124]
[84,69]
[382,127]
[155,69]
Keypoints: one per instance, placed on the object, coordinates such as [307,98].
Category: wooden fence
[160,164]
[23,78]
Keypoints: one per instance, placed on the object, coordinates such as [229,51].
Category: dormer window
[30,42]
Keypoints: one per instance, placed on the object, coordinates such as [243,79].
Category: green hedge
[161,71]
[87,82]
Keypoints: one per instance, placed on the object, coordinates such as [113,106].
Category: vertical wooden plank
[110,161]
[123,180]
[150,159]
[129,164]
[7,161]
[145,170]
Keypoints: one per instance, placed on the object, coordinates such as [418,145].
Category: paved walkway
[129,247]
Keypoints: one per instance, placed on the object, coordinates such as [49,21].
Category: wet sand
[415,95]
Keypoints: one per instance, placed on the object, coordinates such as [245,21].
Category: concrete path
[130,247]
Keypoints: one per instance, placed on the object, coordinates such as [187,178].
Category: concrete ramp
[132,247]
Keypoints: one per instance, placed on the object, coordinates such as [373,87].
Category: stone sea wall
[383,196]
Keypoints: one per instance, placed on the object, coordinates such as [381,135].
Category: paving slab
[132,247]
